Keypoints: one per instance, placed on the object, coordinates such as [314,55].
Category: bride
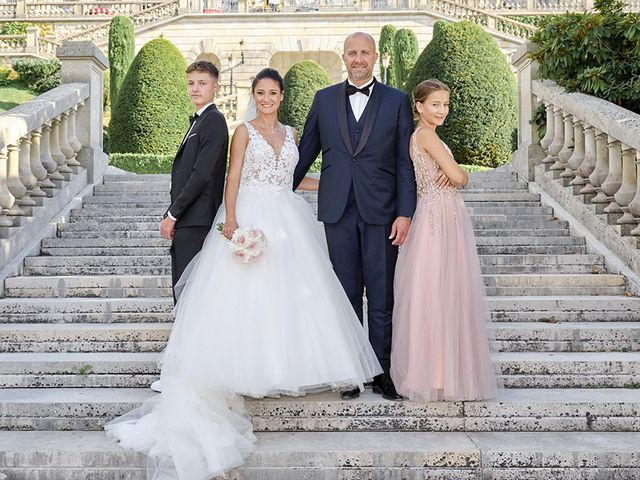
[280,326]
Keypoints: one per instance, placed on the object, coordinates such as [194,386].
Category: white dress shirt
[199,112]
[359,100]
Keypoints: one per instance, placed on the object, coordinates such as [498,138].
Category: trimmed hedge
[151,114]
[142,162]
[388,45]
[301,83]
[39,75]
[406,54]
[121,52]
[482,121]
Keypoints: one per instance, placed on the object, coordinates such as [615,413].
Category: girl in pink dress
[440,349]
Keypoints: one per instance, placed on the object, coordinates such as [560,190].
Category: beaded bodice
[265,168]
[427,171]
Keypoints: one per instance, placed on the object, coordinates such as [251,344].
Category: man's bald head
[360,35]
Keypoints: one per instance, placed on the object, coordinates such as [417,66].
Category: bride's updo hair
[426,88]
[271,73]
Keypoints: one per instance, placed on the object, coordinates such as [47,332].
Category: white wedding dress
[282,325]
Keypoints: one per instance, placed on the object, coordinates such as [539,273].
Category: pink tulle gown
[440,349]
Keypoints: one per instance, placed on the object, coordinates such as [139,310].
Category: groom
[367,191]
[197,176]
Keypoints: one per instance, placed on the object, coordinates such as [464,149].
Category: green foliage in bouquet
[482,121]
[597,53]
[151,114]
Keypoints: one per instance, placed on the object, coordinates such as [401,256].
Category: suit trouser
[363,256]
[187,242]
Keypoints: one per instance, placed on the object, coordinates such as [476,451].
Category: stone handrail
[163,10]
[50,147]
[80,9]
[31,44]
[589,155]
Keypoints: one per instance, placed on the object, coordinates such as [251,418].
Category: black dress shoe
[383,385]
[350,394]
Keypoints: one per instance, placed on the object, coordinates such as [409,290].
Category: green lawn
[13,95]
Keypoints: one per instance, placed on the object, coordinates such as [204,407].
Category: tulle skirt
[440,346]
[282,325]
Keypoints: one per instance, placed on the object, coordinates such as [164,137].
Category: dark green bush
[406,53]
[482,116]
[121,52]
[151,114]
[142,162]
[301,83]
[387,46]
[596,53]
[39,75]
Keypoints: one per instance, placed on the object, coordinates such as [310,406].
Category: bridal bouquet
[247,244]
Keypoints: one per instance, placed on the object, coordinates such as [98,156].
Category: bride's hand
[230,226]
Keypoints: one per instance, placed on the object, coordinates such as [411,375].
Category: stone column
[21,11]
[6,198]
[36,165]
[628,189]
[529,153]
[83,62]
[33,35]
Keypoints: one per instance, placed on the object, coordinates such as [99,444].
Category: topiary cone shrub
[301,83]
[405,56]
[121,52]
[152,111]
[483,112]
[387,46]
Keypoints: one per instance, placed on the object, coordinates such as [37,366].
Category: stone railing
[50,148]
[150,15]
[29,45]
[588,159]
[81,9]
[481,17]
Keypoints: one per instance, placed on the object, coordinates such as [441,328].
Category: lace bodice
[265,168]
[427,171]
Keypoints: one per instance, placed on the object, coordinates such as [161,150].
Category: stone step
[161,264]
[151,337]
[348,456]
[502,309]
[514,410]
[132,369]
[117,286]
[120,200]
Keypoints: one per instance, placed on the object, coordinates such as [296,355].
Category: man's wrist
[168,215]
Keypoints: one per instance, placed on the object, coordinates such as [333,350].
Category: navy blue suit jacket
[379,167]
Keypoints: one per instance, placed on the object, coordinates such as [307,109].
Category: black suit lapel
[342,117]
[190,130]
[372,106]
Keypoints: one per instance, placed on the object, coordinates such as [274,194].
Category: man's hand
[399,230]
[443,181]
[167,228]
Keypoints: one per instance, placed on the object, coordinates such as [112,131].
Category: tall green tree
[387,47]
[153,107]
[406,53]
[121,52]
[482,118]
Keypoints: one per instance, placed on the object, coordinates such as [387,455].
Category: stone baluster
[37,168]
[47,159]
[6,198]
[614,180]
[577,156]
[24,171]
[56,153]
[601,167]
[73,138]
[567,146]
[548,135]
[65,146]
[558,138]
[634,205]
[17,189]
[628,189]
[589,161]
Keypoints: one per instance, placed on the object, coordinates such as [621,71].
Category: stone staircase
[82,327]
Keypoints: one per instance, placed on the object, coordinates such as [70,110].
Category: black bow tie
[192,118]
[352,89]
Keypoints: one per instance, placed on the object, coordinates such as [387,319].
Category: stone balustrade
[29,45]
[589,156]
[51,147]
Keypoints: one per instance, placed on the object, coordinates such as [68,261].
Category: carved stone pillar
[37,168]
[6,198]
[17,189]
[24,171]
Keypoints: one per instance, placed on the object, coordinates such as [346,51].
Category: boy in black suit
[197,177]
